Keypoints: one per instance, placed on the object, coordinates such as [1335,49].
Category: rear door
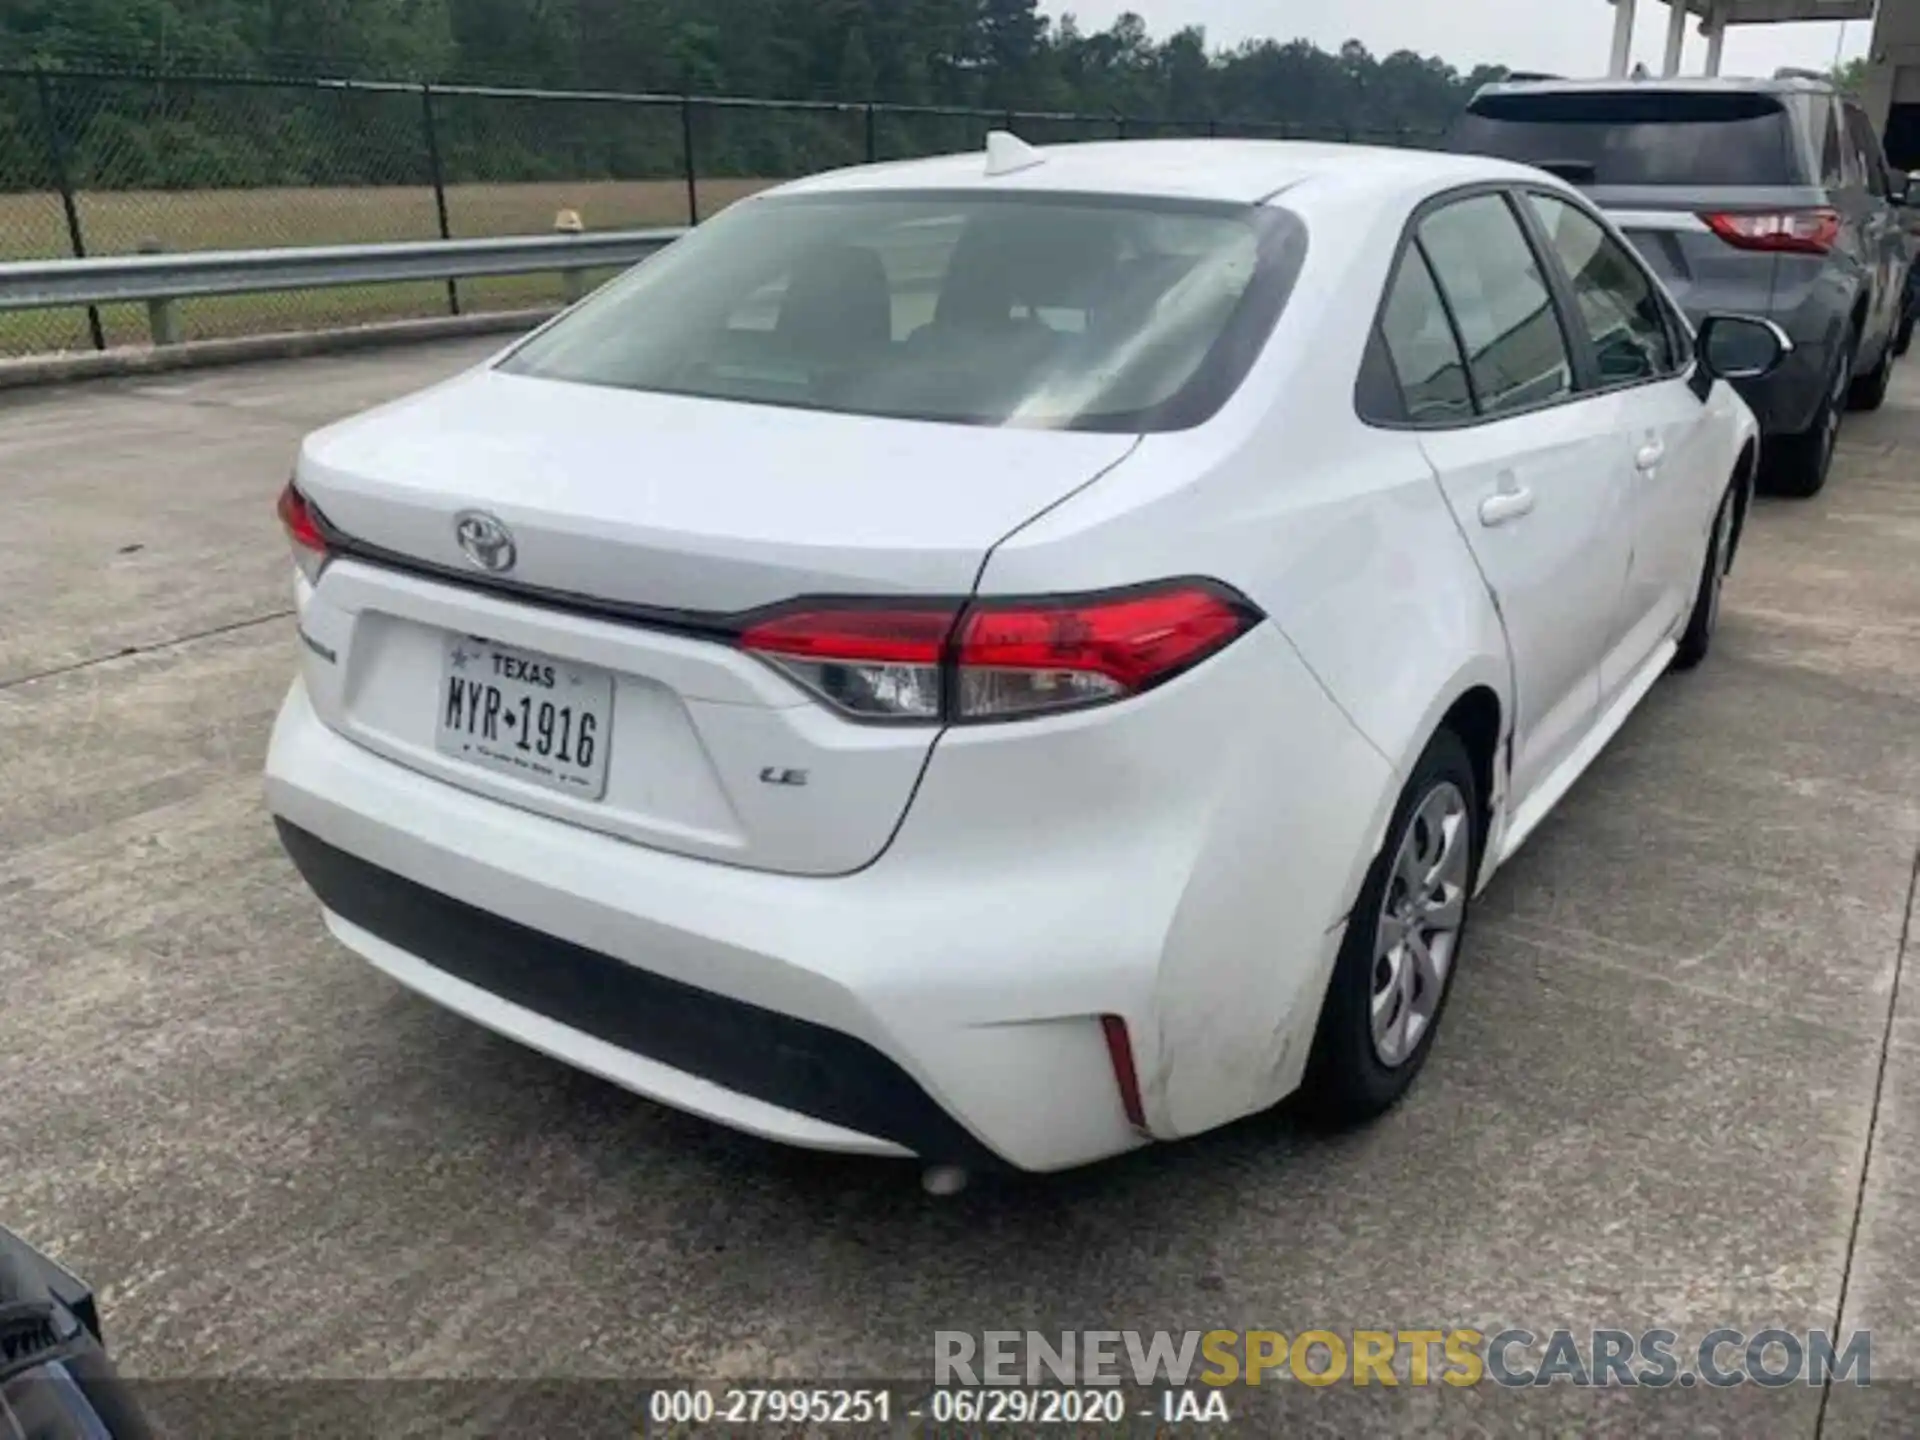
[1534,472]
[1639,359]
[1882,239]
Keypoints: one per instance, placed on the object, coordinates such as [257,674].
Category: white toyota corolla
[1014,656]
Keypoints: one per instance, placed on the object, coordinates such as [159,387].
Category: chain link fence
[106,163]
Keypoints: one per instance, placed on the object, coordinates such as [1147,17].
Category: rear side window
[1853,170]
[1868,146]
[1422,348]
[1833,165]
[1617,302]
[1647,137]
[1516,353]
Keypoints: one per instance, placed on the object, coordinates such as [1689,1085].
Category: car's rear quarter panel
[1183,855]
[1379,622]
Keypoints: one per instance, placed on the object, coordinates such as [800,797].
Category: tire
[1869,391]
[1903,337]
[1697,638]
[1355,1072]
[1797,465]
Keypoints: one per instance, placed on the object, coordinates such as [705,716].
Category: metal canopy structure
[1715,16]
[1891,93]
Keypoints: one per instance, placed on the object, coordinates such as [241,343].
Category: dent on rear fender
[1248,949]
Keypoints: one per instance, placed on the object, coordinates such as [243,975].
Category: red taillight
[998,659]
[1021,656]
[1120,1053]
[303,530]
[881,634]
[878,662]
[1807,232]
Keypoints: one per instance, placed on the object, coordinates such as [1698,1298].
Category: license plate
[546,721]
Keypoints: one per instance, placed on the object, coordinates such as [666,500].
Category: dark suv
[56,1382]
[1761,197]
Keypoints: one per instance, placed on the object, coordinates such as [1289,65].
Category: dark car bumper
[815,1071]
[1786,401]
[56,1382]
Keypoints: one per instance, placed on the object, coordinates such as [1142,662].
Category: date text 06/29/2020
[1103,1377]
[864,1407]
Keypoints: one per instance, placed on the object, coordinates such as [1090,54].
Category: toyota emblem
[484,541]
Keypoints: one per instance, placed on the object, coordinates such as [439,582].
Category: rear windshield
[1062,312]
[1638,138]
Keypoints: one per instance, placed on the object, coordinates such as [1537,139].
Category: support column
[1716,32]
[1622,38]
[1676,36]
[1893,67]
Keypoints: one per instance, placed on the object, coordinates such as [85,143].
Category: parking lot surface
[1678,1085]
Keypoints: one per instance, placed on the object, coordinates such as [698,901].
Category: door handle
[1505,505]
[1649,456]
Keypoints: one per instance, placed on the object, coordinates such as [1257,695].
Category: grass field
[118,222]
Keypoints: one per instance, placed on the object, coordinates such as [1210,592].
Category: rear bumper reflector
[1120,1050]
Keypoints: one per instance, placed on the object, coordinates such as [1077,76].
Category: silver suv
[1761,197]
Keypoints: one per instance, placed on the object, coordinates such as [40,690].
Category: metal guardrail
[161,279]
[94,156]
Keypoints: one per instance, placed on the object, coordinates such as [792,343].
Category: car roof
[1239,171]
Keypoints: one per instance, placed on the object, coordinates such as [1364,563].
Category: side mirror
[1741,347]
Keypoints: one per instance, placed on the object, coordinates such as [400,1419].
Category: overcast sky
[1564,37]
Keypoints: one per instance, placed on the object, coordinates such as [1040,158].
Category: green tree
[1187,74]
[1003,54]
[1009,47]
[858,78]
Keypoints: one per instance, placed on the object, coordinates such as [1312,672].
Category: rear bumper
[1785,402]
[780,1005]
[815,1085]
[1174,866]
[1813,311]
[58,1383]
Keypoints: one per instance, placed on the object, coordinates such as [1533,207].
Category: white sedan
[1010,657]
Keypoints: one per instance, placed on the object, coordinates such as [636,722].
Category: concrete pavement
[1677,1038]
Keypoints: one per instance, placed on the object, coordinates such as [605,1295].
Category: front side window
[1617,302]
[966,307]
[1516,353]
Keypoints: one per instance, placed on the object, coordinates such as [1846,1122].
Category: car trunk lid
[1702,270]
[644,527]
[1657,160]
[684,504]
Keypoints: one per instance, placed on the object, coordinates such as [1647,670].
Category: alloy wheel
[1421,914]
